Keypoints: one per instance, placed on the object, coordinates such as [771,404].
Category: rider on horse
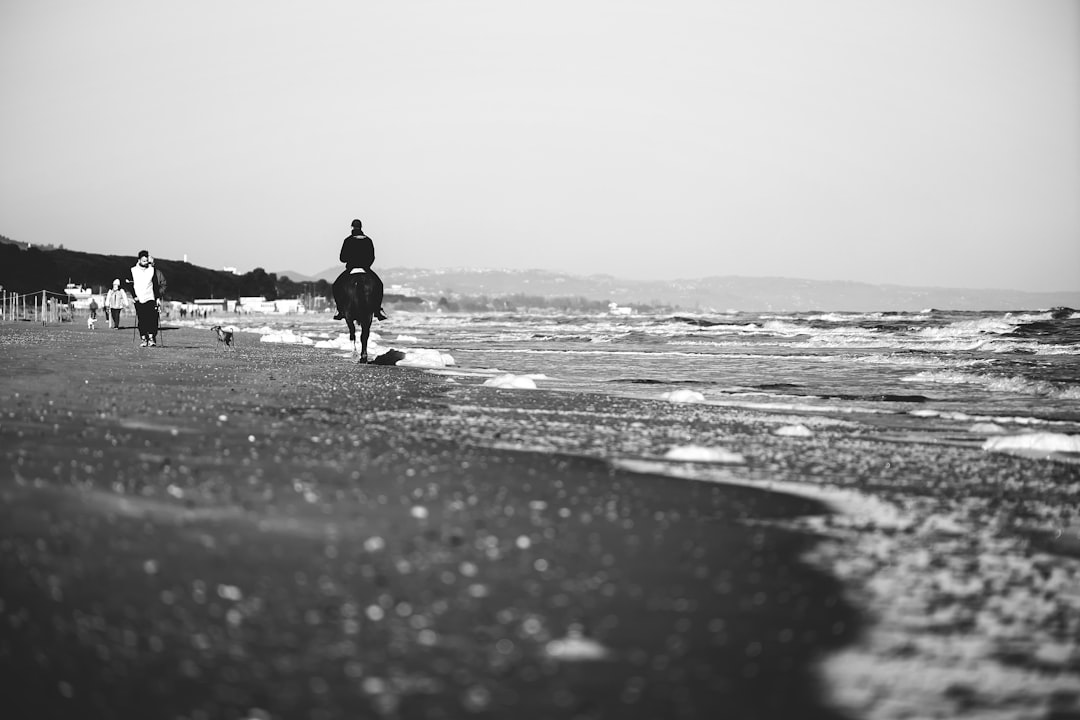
[357,251]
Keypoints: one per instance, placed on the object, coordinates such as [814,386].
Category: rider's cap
[356,223]
[144,253]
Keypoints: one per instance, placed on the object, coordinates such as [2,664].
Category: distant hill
[8,241]
[302,278]
[27,269]
[715,293]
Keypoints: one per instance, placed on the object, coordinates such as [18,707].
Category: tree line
[34,269]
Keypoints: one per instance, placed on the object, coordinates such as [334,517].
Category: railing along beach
[43,306]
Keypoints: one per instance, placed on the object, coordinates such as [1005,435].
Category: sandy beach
[276,531]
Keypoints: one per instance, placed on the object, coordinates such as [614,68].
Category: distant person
[146,287]
[357,251]
[115,301]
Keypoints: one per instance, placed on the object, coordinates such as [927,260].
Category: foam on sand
[1036,445]
[511,381]
[285,337]
[799,430]
[425,358]
[683,396]
[575,647]
[413,357]
[697,453]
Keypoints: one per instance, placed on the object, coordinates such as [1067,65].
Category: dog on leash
[91,323]
[224,336]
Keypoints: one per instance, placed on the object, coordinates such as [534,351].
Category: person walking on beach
[357,251]
[145,287]
[115,301]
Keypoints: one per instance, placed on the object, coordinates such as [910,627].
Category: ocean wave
[959,416]
[917,359]
[996,383]
[969,328]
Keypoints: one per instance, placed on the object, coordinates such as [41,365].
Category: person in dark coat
[147,287]
[357,251]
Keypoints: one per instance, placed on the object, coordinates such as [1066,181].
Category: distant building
[254,304]
[210,303]
[232,270]
[78,292]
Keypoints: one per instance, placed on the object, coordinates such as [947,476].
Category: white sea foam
[969,328]
[916,360]
[425,358]
[511,381]
[575,647]
[286,337]
[1029,317]
[700,454]
[683,396]
[845,317]
[999,419]
[799,430]
[413,357]
[986,428]
[261,330]
[996,383]
[342,342]
[1043,443]
[823,408]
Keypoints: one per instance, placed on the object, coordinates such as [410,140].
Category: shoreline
[191,529]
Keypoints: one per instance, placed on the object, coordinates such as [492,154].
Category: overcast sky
[915,142]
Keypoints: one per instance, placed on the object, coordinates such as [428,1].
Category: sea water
[910,370]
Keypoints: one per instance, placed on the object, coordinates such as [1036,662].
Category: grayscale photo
[592,360]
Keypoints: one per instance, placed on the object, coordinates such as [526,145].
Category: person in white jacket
[115,301]
[144,288]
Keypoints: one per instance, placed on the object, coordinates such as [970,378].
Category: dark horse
[363,298]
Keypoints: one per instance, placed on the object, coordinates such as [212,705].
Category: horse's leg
[352,328]
[365,331]
[377,296]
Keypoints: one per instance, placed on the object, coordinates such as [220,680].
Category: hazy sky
[916,142]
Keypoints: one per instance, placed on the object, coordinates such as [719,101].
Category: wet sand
[277,532]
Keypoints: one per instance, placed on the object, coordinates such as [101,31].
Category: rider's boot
[380,315]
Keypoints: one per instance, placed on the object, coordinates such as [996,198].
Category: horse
[363,298]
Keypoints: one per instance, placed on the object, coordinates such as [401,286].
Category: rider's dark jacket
[357,251]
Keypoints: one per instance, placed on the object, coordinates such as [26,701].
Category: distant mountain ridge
[715,294]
